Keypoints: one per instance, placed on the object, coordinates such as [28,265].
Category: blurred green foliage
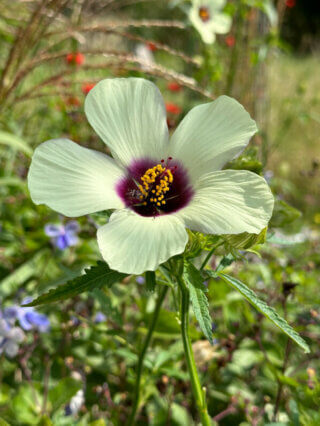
[251,368]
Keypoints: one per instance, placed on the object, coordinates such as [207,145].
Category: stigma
[155,183]
[204,13]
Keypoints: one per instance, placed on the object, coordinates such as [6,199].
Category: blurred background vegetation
[81,368]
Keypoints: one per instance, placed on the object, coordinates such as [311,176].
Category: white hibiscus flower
[208,19]
[157,187]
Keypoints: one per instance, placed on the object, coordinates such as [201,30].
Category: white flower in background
[208,19]
[10,337]
[145,56]
[157,187]
[75,403]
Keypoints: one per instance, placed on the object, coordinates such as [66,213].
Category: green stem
[142,355]
[206,260]
[198,393]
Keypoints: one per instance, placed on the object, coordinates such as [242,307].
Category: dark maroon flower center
[154,188]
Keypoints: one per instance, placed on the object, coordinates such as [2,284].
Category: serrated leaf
[199,300]
[94,277]
[63,392]
[150,281]
[266,310]
[224,263]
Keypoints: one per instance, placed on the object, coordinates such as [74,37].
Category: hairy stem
[142,355]
[198,392]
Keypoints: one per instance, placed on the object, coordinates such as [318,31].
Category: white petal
[218,22]
[133,244]
[229,202]
[16,334]
[129,115]
[73,180]
[221,23]
[212,134]
[11,348]
[206,32]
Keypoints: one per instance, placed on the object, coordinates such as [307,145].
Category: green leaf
[266,310]
[224,263]
[15,142]
[199,300]
[44,421]
[246,162]
[283,214]
[294,412]
[12,181]
[24,407]
[98,422]
[245,240]
[3,422]
[24,272]
[63,392]
[150,281]
[94,277]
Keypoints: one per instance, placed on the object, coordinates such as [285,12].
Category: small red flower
[174,87]
[151,46]
[290,3]
[230,40]
[69,58]
[75,58]
[173,108]
[79,58]
[87,87]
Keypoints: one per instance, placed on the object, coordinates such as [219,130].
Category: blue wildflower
[140,279]
[99,317]
[28,317]
[75,321]
[63,236]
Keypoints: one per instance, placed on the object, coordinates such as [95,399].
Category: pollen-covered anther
[155,183]
[204,14]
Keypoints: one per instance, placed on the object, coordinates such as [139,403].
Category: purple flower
[28,317]
[140,279]
[75,321]
[99,317]
[63,236]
